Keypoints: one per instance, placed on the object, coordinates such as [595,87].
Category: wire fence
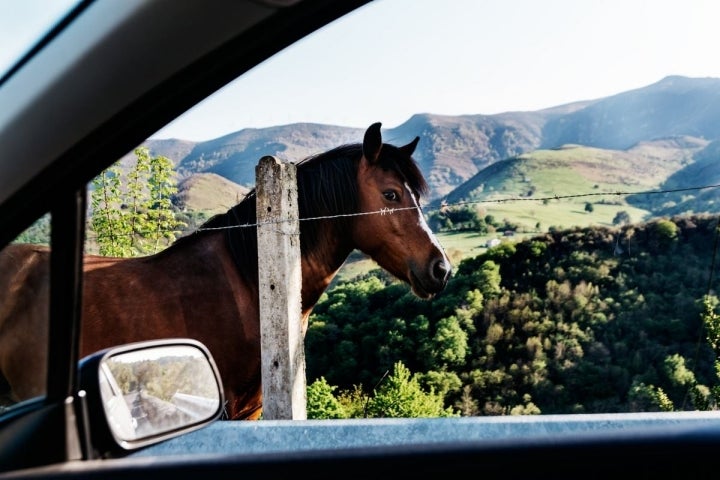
[447,206]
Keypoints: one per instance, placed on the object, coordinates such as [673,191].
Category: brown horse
[205,285]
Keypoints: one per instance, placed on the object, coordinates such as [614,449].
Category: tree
[132,214]
[354,402]
[621,217]
[467,404]
[321,404]
[589,207]
[648,398]
[38,232]
[401,396]
[666,231]
[108,220]
[161,221]
[450,342]
[680,378]
[461,218]
[711,322]
[559,323]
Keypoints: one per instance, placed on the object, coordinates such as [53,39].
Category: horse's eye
[391,196]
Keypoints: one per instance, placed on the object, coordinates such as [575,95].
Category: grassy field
[527,214]
[559,213]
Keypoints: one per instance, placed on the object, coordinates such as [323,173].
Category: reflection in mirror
[155,391]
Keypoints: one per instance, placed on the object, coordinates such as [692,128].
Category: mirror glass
[154,391]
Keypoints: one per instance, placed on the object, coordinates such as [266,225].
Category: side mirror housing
[142,393]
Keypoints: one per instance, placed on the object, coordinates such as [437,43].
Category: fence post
[279,288]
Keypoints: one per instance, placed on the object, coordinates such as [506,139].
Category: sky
[394,58]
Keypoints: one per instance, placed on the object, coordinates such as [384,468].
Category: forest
[583,320]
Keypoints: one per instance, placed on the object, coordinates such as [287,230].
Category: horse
[205,284]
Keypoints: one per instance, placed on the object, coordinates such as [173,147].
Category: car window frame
[225,57]
[67,227]
[59,187]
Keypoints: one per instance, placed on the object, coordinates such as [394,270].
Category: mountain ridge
[453,149]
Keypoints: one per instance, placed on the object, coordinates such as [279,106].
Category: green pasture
[560,214]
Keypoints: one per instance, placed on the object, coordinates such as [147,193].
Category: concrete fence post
[280,281]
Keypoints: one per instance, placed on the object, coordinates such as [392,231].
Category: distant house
[492,242]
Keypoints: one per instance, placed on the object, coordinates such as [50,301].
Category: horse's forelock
[327,182]
[393,158]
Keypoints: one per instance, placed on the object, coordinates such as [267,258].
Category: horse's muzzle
[432,281]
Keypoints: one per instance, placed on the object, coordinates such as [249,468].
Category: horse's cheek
[365,233]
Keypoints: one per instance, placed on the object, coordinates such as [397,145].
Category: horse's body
[204,286]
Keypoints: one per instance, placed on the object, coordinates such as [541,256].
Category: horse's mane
[327,186]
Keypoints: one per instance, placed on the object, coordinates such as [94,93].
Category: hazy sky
[394,58]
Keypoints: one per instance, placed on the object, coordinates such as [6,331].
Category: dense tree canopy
[575,321]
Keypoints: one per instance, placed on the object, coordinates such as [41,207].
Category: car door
[106,77]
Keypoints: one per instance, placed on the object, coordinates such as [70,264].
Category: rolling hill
[208,192]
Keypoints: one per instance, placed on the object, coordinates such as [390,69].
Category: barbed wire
[580,195]
[383,211]
[444,207]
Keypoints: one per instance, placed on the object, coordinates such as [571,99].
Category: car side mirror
[142,393]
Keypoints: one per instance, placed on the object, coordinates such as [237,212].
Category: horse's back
[24,315]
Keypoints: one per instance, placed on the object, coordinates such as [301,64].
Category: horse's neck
[320,259]
[319,268]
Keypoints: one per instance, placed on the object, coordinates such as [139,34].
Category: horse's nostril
[441,270]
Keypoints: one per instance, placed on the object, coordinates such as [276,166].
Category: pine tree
[321,404]
[401,396]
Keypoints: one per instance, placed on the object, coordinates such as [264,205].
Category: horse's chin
[417,288]
[422,294]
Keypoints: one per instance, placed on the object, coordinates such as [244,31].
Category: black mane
[327,186]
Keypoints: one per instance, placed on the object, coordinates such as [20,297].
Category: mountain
[649,124]
[235,155]
[673,106]
[453,148]
[681,197]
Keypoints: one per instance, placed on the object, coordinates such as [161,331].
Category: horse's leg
[238,359]
[225,317]
[24,281]
[245,405]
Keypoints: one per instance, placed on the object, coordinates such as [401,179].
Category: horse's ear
[410,147]
[372,143]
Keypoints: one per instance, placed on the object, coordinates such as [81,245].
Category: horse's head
[398,238]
